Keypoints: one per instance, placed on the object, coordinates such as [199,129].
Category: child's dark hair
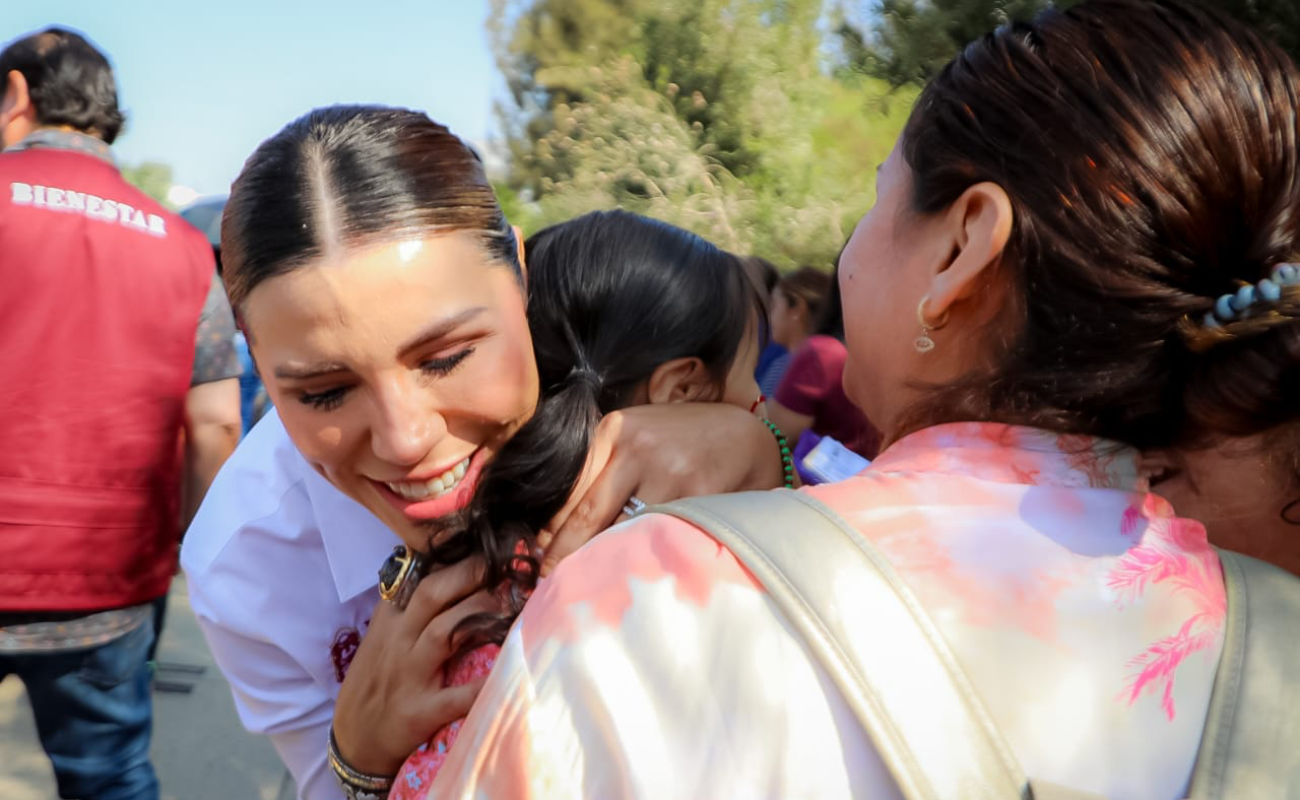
[612,296]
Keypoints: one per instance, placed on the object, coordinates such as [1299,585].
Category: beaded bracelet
[787,460]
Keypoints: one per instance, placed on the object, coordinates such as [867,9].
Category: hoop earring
[924,343]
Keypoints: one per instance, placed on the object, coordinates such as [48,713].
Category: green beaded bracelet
[787,460]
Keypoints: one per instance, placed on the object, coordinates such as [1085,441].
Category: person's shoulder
[874,499]
[646,566]
[19,159]
[257,498]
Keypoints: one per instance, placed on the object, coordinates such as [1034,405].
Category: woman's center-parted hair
[612,296]
[1149,150]
[352,176]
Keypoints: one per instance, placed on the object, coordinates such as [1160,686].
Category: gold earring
[924,343]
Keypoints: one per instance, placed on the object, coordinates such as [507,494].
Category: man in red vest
[115,343]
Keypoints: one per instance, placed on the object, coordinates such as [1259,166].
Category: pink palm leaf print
[1173,551]
[1156,667]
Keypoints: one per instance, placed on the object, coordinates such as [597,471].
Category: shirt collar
[356,543]
[56,139]
[1014,454]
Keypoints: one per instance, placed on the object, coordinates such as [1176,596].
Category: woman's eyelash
[444,366]
[333,398]
[325,401]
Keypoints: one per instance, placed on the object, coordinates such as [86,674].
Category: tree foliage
[909,41]
[152,178]
[723,116]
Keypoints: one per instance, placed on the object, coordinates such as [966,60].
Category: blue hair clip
[1236,305]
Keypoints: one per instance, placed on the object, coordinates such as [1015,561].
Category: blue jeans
[94,715]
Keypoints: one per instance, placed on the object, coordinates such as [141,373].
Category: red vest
[100,295]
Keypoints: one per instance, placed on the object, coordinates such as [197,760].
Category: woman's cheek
[319,436]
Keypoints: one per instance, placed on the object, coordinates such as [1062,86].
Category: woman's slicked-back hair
[1150,151]
[612,296]
[348,176]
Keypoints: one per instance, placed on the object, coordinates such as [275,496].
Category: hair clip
[1234,305]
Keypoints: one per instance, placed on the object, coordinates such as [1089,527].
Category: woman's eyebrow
[441,328]
[435,331]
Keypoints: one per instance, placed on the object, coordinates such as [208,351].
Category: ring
[400,574]
[635,505]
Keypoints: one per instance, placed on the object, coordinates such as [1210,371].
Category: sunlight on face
[398,370]
[882,278]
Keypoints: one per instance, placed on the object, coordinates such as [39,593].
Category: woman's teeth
[436,487]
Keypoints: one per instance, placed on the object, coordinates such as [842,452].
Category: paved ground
[199,749]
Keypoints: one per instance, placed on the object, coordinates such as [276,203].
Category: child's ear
[681,380]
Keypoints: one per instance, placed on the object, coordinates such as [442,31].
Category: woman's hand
[393,699]
[660,453]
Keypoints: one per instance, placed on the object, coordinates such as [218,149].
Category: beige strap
[901,680]
[918,706]
[1251,744]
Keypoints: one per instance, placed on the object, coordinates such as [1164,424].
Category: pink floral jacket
[651,665]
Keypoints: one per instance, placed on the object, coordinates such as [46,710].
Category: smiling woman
[387,406]
[382,292]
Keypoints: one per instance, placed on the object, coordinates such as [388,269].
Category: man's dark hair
[70,82]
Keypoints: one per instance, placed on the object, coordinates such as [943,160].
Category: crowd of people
[1001,504]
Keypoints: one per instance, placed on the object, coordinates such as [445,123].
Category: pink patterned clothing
[652,665]
[421,767]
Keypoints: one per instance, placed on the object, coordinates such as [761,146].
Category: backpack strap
[1251,743]
[910,695]
[916,703]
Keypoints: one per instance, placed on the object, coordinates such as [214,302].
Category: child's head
[627,310]
[623,311]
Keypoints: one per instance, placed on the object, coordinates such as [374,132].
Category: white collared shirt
[282,571]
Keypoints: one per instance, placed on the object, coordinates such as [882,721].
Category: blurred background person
[795,306]
[765,276]
[809,403]
[118,341]
[205,214]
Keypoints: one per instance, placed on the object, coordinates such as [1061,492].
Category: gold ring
[399,575]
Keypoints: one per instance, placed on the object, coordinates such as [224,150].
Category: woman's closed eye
[327,400]
[447,364]
[332,398]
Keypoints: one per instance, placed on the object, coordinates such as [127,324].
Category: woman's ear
[979,224]
[681,380]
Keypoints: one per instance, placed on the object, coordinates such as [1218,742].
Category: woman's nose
[406,429]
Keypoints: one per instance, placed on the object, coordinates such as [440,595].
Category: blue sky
[203,82]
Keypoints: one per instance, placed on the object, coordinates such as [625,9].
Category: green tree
[721,116]
[909,41]
[152,178]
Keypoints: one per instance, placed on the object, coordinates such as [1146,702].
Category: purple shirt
[814,386]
